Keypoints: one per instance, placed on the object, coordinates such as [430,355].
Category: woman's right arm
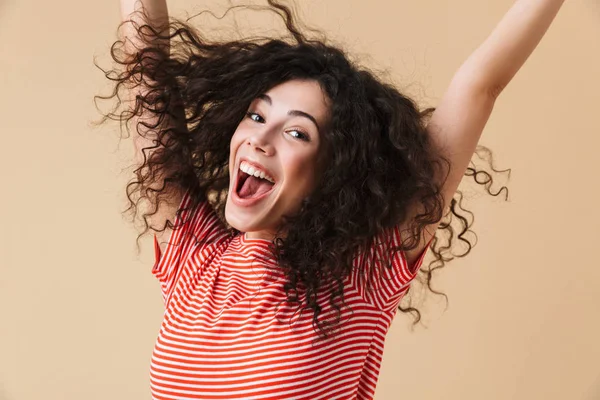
[157,17]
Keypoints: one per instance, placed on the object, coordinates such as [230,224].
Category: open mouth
[252,187]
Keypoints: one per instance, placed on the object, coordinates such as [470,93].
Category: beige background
[80,309]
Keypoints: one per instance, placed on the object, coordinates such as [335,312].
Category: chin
[232,219]
[257,217]
[240,220]
[259,227]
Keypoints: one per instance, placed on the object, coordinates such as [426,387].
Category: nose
[261,141]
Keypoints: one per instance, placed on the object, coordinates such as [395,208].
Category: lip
[249,202]
[256,165]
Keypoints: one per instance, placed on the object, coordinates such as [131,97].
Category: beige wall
[80,310]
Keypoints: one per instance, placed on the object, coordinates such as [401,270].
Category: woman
[295,196]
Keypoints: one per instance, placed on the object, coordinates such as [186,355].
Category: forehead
[302,95]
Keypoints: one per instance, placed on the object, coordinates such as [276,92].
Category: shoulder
[414,257]
[166,211]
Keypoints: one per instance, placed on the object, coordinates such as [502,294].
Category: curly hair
[380,158]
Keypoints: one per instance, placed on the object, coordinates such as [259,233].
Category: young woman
[294,197]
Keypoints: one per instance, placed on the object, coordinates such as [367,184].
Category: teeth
[244,166]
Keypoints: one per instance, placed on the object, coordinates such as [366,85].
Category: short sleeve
[195,225]
[384,287]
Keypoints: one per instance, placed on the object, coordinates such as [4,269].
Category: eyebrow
[295,113]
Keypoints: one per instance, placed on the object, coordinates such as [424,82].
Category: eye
[300,135]
[297,134]
[255,117]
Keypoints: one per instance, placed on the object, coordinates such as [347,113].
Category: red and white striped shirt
[221,337]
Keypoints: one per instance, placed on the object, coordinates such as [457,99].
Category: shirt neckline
[261,249]
[246,240]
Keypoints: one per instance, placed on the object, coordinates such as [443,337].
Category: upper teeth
[250,170]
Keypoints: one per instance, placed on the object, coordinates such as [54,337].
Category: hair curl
[380,157]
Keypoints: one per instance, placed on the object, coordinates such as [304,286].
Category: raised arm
[493,65]
[157,17]
[156,9]
[457,124]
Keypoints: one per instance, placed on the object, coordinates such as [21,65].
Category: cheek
[235,143]
[303,174]
[235,138]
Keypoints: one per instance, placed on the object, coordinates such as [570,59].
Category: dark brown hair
[380,157]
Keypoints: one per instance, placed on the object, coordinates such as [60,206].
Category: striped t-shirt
[222,335]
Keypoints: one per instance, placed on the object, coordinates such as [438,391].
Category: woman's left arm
[459,119]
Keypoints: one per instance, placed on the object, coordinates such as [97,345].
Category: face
[280,140]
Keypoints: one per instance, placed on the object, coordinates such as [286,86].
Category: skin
[288,145]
